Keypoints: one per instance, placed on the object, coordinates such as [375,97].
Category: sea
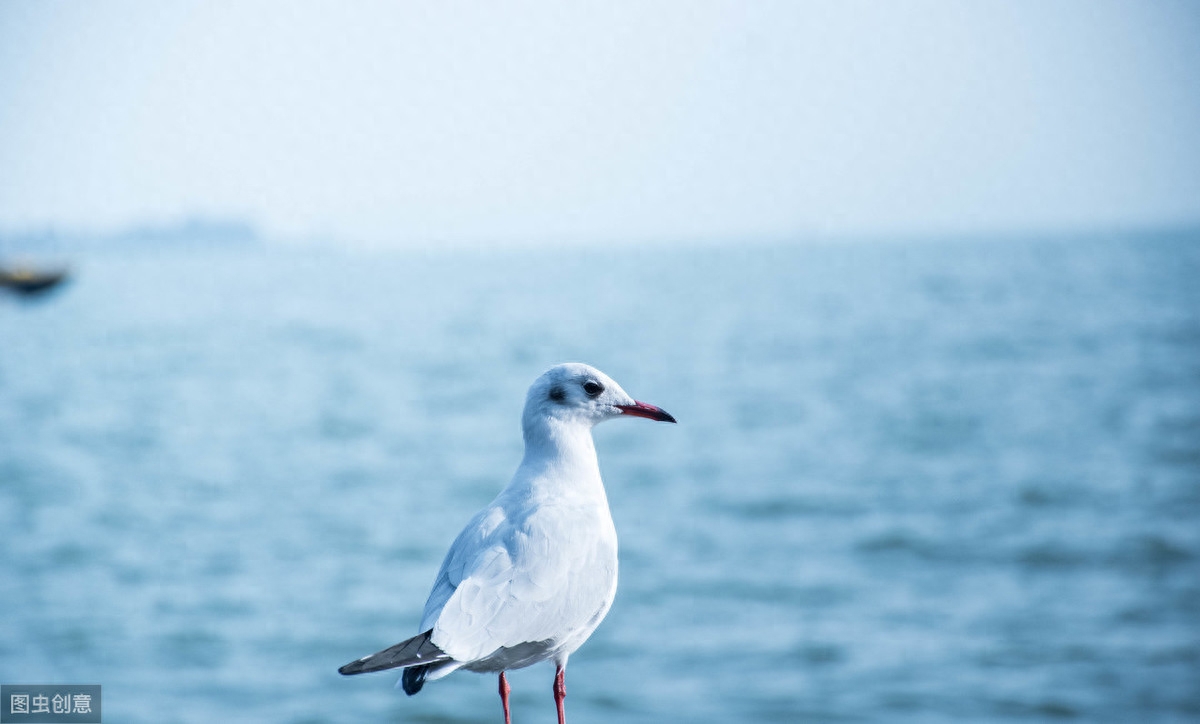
[913,480]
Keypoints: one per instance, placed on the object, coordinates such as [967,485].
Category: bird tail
[418,652]
[413,678]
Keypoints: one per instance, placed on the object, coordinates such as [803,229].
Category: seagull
[531,576]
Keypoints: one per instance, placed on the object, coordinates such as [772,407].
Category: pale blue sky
[393,123]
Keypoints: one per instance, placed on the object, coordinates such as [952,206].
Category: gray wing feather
[417,650]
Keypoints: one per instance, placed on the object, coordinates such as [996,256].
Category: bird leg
[560,693]
[504,690]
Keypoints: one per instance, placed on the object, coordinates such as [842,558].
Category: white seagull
[531,575]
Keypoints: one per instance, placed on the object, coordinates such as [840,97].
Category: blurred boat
[28,281]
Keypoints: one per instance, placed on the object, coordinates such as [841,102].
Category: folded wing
[532,579]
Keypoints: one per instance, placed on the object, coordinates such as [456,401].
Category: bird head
[581,394]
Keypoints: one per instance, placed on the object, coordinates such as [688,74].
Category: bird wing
[464,555]
[417,650]
[535,576]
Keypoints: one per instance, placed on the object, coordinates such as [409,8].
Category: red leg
[504,689]
[560,693]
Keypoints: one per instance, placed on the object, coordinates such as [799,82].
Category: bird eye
[593,388]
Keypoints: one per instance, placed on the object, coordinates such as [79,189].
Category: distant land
[192,232]
[62,244]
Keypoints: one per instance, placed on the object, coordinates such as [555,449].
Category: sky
[396,123]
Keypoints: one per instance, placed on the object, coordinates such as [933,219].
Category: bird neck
[560,460]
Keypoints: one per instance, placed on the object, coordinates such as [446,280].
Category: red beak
[646,410]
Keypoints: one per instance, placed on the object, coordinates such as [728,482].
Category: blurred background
[920,281]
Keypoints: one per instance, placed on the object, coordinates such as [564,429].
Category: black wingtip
[354,667]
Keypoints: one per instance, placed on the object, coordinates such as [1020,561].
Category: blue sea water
[911,482]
